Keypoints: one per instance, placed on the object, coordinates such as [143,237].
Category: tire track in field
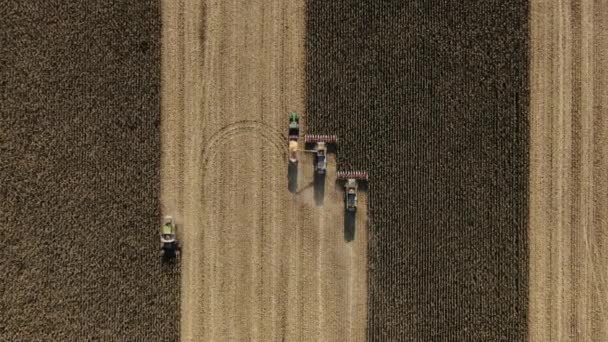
[267,133]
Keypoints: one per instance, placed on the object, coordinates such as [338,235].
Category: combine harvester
[351,185]
[320,143]
[320,150]
[169,245]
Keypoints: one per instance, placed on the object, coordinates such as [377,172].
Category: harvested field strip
[431,97]
[569,158]
[79,140]
[260,263]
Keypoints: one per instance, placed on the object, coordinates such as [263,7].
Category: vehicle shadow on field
[292,177]
[349,225]
[170,265]
[319,180]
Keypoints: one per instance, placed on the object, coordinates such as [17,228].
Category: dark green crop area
[431,97]
[79,174]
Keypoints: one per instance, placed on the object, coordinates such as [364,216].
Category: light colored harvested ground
[569,165]
[259,262]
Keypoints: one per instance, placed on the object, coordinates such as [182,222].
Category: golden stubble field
[259,262]
[569,158]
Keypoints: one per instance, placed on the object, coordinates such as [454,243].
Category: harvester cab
[351,185]
[351,195]
[320,149]
[321,158]
[169,245]
[293,135]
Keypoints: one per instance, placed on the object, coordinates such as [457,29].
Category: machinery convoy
[320,143]
[170,246]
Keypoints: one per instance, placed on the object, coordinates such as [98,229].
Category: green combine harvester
[169,246]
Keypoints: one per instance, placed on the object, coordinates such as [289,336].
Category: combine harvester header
[358,175]
[317,138]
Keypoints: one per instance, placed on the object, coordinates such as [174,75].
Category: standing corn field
[431,98]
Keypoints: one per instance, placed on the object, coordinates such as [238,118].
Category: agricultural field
[261,261]
[482,125]
[79,174]
[431,98]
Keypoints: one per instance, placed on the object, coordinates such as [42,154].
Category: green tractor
[294,126]
[169,245]
[293,136]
